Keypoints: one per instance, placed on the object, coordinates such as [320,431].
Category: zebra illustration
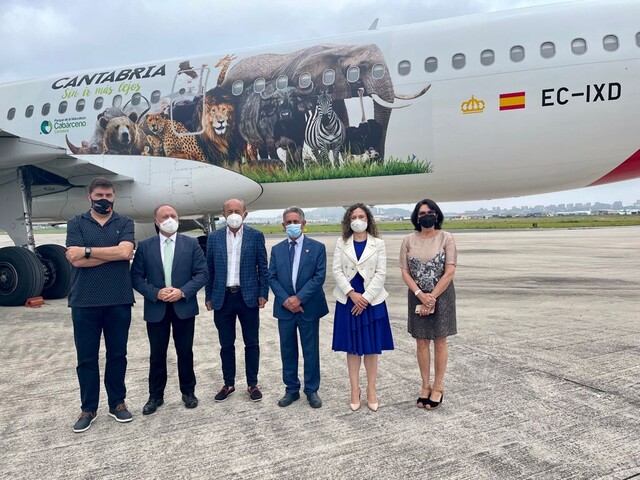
[325,132]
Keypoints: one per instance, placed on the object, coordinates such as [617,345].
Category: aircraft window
[259,84]
[282,82]
[404,67]
[579,46]
[517,53]
[638,39]
[62,107]
[487,57]
[328,77]
[80,105]
[11,114]
[155,96]
[136,98]
[117,101]
[610,43]
[458,61]
[29,111]
[548,50]
[431,64]
[46,108]
[304,81]
[377,71]
[353,74]
[238,87]
[98,102]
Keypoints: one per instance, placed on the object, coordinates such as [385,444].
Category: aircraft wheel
[57,281]
[21,276]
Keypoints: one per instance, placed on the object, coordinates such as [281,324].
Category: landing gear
[57,271]
[21,276]
[27,271]
[208,225]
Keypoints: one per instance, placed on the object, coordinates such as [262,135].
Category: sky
[42,38]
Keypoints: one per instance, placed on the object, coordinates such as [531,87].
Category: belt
[234,289]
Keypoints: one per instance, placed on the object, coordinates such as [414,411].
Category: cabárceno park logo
[62,125]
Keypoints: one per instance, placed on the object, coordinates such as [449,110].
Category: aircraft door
[187,94]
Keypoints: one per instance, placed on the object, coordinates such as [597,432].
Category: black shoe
[120,413]
[433,405]
[314,400]
[224,393]
[190,400]
[288,399]
[152,405]
[84,422]
[254,393]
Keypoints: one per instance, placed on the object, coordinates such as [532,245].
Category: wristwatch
[87,252]
[417,292]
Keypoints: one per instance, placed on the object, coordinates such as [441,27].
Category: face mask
[102,206]
[428,221]
[170,226]
[294,230]
[234,220]
[358,226]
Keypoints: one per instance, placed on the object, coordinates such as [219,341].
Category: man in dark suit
[168,270]
[297,272]
[238,287]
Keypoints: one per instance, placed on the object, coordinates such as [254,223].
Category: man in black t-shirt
[100,245]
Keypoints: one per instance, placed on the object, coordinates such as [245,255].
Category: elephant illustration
[315,61]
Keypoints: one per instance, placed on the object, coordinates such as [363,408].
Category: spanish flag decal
[512,101]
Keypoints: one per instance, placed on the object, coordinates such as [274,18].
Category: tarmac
[543,382]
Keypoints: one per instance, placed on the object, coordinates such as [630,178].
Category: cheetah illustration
[155,146]
[178,146]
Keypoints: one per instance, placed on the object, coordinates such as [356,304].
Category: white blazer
[372,266]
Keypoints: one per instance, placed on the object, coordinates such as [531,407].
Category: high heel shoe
[373,406]
[432,405]
[423,401]
[356,406]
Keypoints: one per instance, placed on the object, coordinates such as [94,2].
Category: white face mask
[170,226]
[234,220]
[358,226]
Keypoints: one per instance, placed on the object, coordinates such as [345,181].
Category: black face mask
[428,221]
[102,206]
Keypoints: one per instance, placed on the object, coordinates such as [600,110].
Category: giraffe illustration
[224,62]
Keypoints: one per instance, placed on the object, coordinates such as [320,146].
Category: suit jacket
[311,275]
[254,280]
[372,266]
[189,274]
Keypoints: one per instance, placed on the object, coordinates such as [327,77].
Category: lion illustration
[218,139]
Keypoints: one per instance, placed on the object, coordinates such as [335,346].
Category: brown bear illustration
[122,135]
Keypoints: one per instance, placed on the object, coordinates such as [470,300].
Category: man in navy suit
[168,270]
[297,272]
[238,287]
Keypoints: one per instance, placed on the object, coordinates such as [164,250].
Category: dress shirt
[173,244]
[234,246]
[296,259]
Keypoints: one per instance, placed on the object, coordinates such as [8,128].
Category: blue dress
[364,334]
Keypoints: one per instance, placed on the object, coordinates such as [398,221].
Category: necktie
[168,261]
[292,254]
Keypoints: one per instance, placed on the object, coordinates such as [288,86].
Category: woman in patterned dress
[428,261]
[361,324]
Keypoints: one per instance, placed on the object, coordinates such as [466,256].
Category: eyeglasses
[428,212]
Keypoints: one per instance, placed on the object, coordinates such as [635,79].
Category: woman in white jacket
[361,323]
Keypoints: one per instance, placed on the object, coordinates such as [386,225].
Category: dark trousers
[225,320]
[310,341]
[158,333]
[88,325]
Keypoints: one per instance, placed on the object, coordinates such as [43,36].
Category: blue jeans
[88,325]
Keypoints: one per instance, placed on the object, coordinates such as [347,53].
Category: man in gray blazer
[168,270]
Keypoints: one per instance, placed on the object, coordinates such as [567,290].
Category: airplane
[494,105]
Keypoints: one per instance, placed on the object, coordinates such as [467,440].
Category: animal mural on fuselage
[272,117]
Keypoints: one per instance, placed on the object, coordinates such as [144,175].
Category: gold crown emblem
[472,105]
